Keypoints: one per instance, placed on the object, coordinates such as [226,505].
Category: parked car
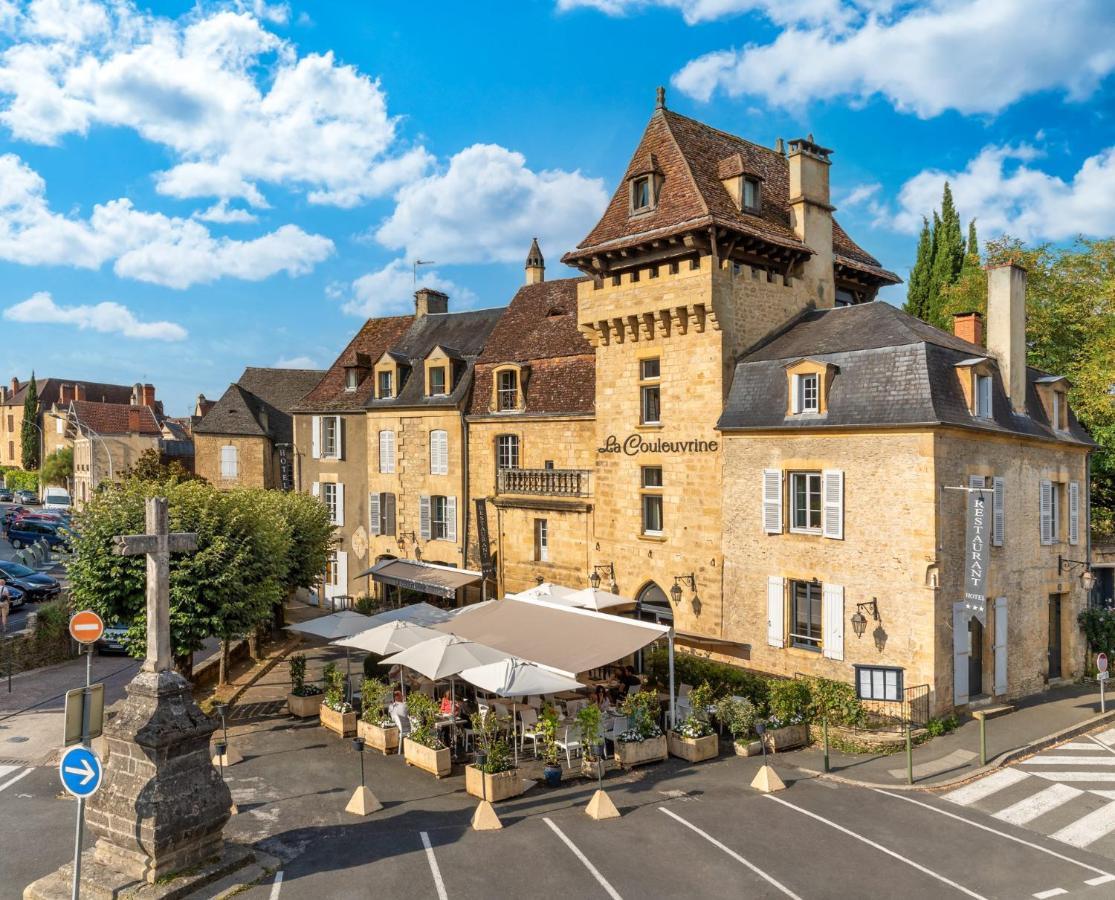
[9,514]
[36,585]
[6,496]
[48,518]
[26,497]
[14,596]
[23,534]
[112,640]
[56,499]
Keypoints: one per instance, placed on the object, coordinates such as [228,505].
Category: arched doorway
[975,657]
[652,605]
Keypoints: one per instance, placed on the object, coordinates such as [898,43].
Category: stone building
[246,438]
[108,438]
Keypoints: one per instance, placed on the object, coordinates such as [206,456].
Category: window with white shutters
[833,490]
[230,462]
[1074,512]
[424,517]
[772,501]
[331,437]
[832,611]
[315,436]
[776,611]
[333,497]
[451,518]
[806,619]
[339,509]
[387,452]
[1045,511]
[439,452]
[375,514]
[998,517]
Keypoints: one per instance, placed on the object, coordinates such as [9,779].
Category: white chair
[615,728]
[402,723]
[529,721]
[569,746]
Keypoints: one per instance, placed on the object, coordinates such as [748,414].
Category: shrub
[836,701]
[375,695]
[738,714]
[423,714]
[722,678]
[298,685]
[488,730]
[697,724]
[546,736]
[643,711]
[335,689]
[936,727]
[588,729]
[52,620]
[1099,628]
[367,605]
[789,702]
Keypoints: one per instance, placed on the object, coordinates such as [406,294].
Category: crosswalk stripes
[9,776]
[985,787]
[1038,804]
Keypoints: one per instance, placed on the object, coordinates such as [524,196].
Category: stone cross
[157,545]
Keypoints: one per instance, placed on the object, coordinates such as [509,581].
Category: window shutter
[424,517]
[374,514]
[445,453]
[832,492]
[959,654]
[315,489]
[439,452]
[342,572]
[1045,512]
[433,453]
[391,451]
[1000,645]
[389,514]
[776,611]
[772,501]
[977,481]
[795,394]
[387,452]
[451,518]
[832,617]
[315,436]
[998,519]
[340,437]
[339,505]
[1074,512]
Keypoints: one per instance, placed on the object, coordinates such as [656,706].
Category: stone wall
[256,466]
[11,441]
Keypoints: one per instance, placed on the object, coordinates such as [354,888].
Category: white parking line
[732,853]
[277,885]
[11,781]
[1088,829]
[1105,876]
[611,891]
[1038,804]
[985,787]
[941,878]
[434,870]
[1052,892]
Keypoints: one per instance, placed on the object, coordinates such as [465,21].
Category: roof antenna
[660,100]
[421,262]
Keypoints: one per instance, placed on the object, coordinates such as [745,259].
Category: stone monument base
[236,868]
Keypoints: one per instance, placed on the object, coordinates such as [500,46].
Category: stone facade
[92,459]
[257,463]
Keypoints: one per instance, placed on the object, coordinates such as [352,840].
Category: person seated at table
[628,678]
[399,713]
[446,707]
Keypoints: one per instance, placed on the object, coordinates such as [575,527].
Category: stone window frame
[520,397]
[513,440]
[648,492]
[969,371]
[235,462]
[438,359]
[757,184]
[649,383]
[439,528]
[824,372]
[541,540]
[792,500]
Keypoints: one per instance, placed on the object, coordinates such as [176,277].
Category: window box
[693,749]
[304,707]
[501,786]
[341,724]
[638,753]
[438,763]
[384,738]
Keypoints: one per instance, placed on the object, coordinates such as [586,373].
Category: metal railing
[549,482]
[892,715]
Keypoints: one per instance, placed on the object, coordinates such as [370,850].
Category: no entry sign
[86,627]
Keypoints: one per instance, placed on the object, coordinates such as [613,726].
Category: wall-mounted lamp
[675,591]
[1087,578]
[859,620]
[594,578]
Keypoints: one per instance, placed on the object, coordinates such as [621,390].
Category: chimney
[968,326]
[65,393]
[536,265]
[811,216]
[137,393]
[133,419]
[79,391]
[149,395]
[1006,328]
[15,384]
[427,301]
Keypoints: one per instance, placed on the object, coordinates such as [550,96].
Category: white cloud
[296,362]
[390,291]
[222,213]
[974,56]
[1007,195]
[486,206]
[233,101]
[697,11]
[152,247]
[107,318]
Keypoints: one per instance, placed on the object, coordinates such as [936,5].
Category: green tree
[917,292]
[149,466]
[58,468]
[30,435]
[948,259]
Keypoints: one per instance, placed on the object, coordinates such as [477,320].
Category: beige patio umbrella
[596,599]
[390,637]
[341,624]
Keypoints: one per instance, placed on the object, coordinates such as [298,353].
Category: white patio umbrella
[596,599]
[545,591]
[341,624]
[389,638]
[514,678]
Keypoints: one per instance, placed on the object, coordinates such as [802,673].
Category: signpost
[77,716]
[1101,664]
[80,770]
[86,627]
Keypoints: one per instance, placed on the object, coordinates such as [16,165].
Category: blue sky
[186,189]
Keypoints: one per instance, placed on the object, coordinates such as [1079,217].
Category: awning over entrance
[566,639]
[426,578]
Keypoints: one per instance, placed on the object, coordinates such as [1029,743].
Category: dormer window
[507,390]
[1060,411]
[808,382]
[981,392]
[749,194]
[436,382]
[383,385]
[640,194]
[808,393]
[352,378]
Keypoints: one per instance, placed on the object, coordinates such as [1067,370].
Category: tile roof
[892,369]
[274,392]
[460,334]
[692,156]
[115,418]
[372,341]
[50,390]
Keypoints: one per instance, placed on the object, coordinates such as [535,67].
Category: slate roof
[691,156]
[539,329]
[274,391]
[892,369]
[50,390]
[461,334]
[371,341]
[113,418]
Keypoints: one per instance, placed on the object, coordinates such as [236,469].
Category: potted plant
[375,726]
[337,715]
[548,750]
[592,740]
[738,715]
[493,776]
[787,726]
[643,741]
[694,739]
[422,748]
[304,700]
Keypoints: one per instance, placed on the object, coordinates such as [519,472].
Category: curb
[1003,759]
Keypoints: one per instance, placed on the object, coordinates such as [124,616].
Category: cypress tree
[971,251]
[918,292]
[29,435]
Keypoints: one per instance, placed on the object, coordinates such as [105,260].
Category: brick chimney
[968,326]
[1006,328]
[149,395]
[65,393]
[811,216]
[536,265]
[15,384]
[79,391]
[134,413]
[427,301]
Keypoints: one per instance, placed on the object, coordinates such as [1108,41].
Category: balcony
[543,482]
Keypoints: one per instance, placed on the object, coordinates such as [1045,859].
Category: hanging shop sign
[487,564]
[634,444]
[975,551]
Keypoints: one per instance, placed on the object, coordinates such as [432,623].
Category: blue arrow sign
[80,771]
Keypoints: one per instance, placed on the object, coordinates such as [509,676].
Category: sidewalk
[954,757]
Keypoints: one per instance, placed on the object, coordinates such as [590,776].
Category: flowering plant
[335,690]
[298,685]
[642,711]
[697,724]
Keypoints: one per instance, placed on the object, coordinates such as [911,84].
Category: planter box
[636,753]
[341,724]
[592,768]
[693,749]
[787,738]
[303,707]
[378,737]
[501,786]
[437,762]
[747,748]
